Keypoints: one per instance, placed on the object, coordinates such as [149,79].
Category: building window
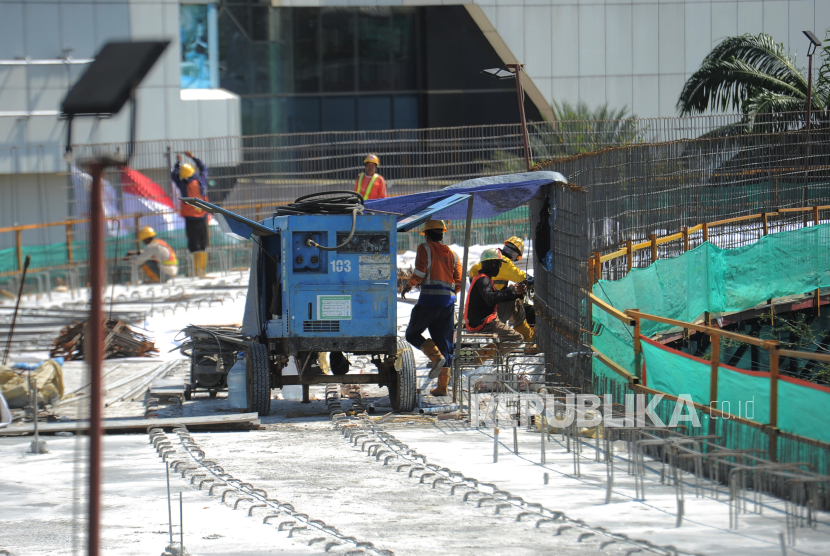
[199,46]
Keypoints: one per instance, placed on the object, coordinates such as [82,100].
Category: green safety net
[719,280]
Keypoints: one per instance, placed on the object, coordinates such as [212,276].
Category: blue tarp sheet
[493,196]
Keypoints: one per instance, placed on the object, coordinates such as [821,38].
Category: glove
[178,157]
[188,153]
[406,289]
[520,289]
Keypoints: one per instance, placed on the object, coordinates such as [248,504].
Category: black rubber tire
[403,392]
[259,380]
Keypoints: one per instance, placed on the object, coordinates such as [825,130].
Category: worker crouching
[481,309]
[157,260]
[438,270]
[512,311]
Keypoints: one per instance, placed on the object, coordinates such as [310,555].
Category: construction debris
[47,379]
[121,341]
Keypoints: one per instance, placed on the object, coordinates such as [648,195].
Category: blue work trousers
[440,321]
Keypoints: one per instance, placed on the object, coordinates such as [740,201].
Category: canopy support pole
[456,368]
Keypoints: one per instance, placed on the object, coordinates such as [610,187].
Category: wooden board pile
[121,341]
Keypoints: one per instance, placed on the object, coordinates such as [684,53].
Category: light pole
[511,71]
[814,43]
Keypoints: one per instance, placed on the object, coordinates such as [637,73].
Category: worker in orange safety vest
[369,183]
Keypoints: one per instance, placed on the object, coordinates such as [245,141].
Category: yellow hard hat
[186,170]
[517,243]
[491,255]
[372,158]
[434,225]
[146,233]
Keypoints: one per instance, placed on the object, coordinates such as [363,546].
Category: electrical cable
[333,203]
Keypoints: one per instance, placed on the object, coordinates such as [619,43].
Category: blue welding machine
[322,281]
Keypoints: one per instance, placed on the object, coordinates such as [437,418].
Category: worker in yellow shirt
[511,311]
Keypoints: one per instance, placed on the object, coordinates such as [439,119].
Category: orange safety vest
[193,190]
[172,259]
[368,187]
[489,318]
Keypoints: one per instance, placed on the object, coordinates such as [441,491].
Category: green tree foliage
[578,128]
[757,77]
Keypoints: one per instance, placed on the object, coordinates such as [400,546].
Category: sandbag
[14,385]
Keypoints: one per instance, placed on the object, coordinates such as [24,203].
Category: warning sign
[375,267]
[334,307]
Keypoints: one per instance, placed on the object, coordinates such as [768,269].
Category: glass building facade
[359,68]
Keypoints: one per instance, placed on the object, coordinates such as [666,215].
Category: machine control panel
[376,242]
[306,258]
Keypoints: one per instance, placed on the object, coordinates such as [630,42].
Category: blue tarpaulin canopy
[493,196]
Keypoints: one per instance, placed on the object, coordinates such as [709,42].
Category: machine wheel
[259,380]
[403,392]
[212,392]
[188,391]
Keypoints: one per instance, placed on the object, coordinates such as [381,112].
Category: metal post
[16,308]
[713,378]
[456,369]
[495,445]
[773,401]
[169,505]
[94,353]
[181,524]
[807,121]
[515,440]
[518,68]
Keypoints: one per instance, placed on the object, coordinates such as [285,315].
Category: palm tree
[578,128]
[757,77]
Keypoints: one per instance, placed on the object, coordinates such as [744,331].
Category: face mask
[490,269]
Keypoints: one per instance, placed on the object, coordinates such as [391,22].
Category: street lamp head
[499,73]
[813,38]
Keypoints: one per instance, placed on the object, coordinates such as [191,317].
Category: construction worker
[438,270]
[193,182]
[369,183]
[480,310]
[158,260]
[515,309]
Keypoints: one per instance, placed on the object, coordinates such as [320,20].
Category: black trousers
[197,234]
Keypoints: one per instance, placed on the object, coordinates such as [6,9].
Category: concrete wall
[51,29]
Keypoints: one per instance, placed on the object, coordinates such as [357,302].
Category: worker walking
[157,260]
[369,183]
[438,270]
[193,182]
[480,310]
[513,310]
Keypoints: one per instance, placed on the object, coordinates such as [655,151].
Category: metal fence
[635,192]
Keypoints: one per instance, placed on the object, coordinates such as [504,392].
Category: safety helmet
[372,158]
[434,225]
[491,254]
[146,233]
[515,245]
[186,170]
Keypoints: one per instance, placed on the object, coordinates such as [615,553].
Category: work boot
[431,350]
[200,262]
[443,380]
[528,333]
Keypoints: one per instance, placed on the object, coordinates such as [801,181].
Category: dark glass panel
[406,112]
[338,39]
[260,16]
[374,45]
[234,56]
[404,48]
[304,115]
[374,112]
[306,50]
[338,114]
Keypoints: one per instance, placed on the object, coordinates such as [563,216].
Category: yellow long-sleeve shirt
[508,273]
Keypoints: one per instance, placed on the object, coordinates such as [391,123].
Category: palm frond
[735,69]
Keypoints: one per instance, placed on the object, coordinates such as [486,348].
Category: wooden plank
[735,219]
[672,237]
[132,425]
[804,355]
[615,367]
[633,313]
[700,407]
[614,255]
[616,313]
